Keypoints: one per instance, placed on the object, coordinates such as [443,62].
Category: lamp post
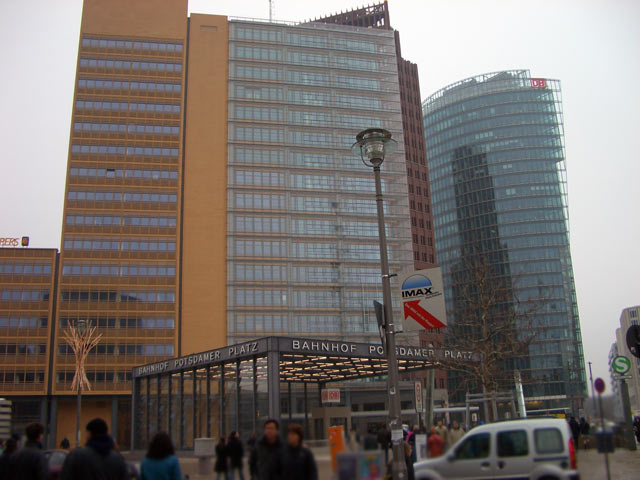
[372,145]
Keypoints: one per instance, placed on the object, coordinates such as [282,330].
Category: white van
[532,449]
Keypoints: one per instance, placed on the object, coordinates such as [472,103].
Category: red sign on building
[538,83]
[330,395]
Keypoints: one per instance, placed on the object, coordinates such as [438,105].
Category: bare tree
[489,319]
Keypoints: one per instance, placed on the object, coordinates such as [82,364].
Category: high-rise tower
[496,156]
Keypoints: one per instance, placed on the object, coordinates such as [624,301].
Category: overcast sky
[593,47]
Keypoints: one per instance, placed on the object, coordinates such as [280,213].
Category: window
[513,443]
[548,440]
[476,446]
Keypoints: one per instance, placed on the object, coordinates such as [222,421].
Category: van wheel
[548,478]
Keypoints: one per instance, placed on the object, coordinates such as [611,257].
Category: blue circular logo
[416,281]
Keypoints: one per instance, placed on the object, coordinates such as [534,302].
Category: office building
[495,149]
[27,302]
[211,193]
[629,316]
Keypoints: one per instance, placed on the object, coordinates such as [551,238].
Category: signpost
[621,366]
[599,386]
[423,300]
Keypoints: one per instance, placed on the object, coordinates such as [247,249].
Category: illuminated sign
[14,241]
[330,395]
[538,83]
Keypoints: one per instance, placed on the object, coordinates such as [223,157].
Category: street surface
[623,464]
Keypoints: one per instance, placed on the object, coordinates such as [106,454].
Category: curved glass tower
[497,166]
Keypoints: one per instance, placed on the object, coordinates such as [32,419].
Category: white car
[532,449]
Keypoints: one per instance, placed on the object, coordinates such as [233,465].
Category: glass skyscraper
[496,158]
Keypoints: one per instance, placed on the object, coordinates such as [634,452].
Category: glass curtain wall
[302,228]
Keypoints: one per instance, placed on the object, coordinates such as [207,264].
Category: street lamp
[371,146]
[81,340]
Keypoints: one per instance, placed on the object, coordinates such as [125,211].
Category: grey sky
[593,47]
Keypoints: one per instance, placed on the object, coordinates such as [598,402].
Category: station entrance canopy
[234,387]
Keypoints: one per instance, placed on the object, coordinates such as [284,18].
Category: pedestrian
[297,460]
[29,463]
[98,460]
[65,444]
[435,443]
[235,452]
[161,462]
[10,446]
[265,462]
[636,428]
[370,441]
[575,430]
[384,439]
[454,434]
[584,433]
[442,431]
[221,466]
[408,458]
[411,441]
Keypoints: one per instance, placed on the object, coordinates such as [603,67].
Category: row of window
[302,77]
[20,295]
[96,376]
[126,128]
[278,248]
[25,268]
[124,150]
[21,377]
[129,65]
[129,85]
[145,349]
[306,58]
[23,349]
[306,274]
[120,297]
[141,270]
[131,45]
[126,197]
[110,322]
[123,173]
[117,220]
[303,39]
[120,245]
[97,105]
[23,322]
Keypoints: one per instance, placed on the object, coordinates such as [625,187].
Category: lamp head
[372,145]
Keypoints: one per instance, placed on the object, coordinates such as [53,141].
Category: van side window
[476,446]
[548,440]
[513,443]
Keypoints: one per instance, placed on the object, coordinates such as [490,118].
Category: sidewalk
[623,465]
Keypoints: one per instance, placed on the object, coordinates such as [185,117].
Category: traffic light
[633,340]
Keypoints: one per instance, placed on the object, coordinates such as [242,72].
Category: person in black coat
[265,462]
[98,460]
[10,446]
[29,463]
[221,459]
[235,453]
[575,430]
[297,460]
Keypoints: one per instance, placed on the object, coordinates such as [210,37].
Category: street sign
[423,300]
[418,393]
[330,395]
[621,364]
[633,340]
[599,385]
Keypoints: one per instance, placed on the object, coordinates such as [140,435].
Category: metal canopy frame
[274,360]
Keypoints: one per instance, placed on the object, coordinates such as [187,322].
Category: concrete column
[273,383]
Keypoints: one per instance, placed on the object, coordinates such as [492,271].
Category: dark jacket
[265,462]
[29,463]
[97,461]
[298,463]
[221,458]
[235,452]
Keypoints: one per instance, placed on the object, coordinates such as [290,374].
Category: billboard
[422,295]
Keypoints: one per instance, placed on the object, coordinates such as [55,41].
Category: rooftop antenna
[270,11]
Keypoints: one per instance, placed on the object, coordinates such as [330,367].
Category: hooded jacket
[97,461]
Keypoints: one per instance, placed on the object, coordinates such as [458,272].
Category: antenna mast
[270,10]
